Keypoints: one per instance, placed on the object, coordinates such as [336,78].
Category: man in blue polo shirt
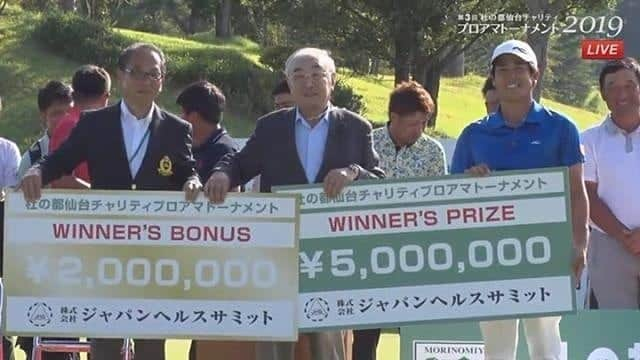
[522,134]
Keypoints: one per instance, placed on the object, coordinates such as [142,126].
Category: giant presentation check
[151,265]
[386,253]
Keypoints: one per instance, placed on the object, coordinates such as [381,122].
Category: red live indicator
[599,49]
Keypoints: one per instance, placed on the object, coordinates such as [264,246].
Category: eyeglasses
[143,75]
[315,76]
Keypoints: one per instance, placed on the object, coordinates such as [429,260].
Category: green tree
[418,37]
[539,41]
[629,10]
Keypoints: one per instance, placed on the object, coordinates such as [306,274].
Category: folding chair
[41,346]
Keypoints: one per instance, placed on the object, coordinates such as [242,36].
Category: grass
[249,48]
[459,102]
[25,66]
[201,41]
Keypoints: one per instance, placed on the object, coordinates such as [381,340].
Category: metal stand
[41,346]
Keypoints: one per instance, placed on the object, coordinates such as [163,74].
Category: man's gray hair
[323,57]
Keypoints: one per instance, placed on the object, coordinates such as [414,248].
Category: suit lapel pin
[165,167]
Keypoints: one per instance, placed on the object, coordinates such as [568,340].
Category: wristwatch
[356,170]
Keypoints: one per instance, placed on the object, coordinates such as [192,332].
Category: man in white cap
[522,134]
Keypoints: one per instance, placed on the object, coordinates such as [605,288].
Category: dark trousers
[7,348]
[192,350]
[593,302]
[110,349]
[365,343]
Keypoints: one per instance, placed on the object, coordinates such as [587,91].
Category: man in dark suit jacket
[271,151]
[131,145]
[312,143]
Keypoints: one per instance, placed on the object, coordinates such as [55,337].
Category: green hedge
[79,39]
[344,96]
[245,84]
[276,56]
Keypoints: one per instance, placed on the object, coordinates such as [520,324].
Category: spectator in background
[203,107]
[612,168]
[91,89]
[9,160]
[55,102]
[405,151]
[490,96]
[282,97]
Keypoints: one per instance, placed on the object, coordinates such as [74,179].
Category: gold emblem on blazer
[165,167]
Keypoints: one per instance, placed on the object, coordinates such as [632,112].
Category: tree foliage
[412,39]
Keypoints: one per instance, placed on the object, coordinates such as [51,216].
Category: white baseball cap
[518,48]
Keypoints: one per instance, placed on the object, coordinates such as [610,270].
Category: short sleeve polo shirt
[544,139]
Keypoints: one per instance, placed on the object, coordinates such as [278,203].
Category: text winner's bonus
[394,252]
[232,265]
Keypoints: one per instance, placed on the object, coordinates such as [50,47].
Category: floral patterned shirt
[423,158]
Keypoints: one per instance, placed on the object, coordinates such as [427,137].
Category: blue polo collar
[534,116]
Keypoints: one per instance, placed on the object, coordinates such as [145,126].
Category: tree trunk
[258,20]
[402,57]
[539,41]
[539,44]
[84,8]
[196,22]
[68,5]
[375,67]
[428,72]
[628,10]
[401,63]
[432,84]
[455,68]
[87,7]
[405,35]
[186,24]
[223,19]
